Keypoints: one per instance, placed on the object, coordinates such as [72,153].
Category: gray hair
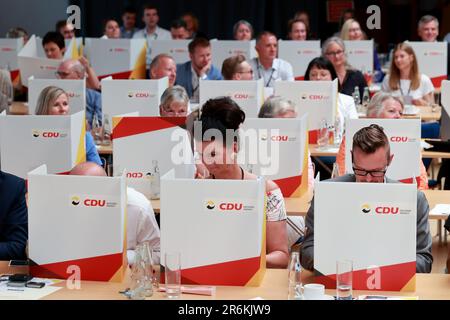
[155,62]
[175,93]
[329,41]
[426,19]
[6,89]
[46,99]
[375,106]
[275,106]
[244,22]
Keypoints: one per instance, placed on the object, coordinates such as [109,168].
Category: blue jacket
[13,217]
[93,106]
[184,76]
[91,150]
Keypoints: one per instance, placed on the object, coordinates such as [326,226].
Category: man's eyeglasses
[373,173]
[249,71]
[334,53]
[62,74]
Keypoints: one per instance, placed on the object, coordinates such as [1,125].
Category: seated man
[178,30]
[73,69]
[13,217]
[162,66]
[200,67]
[141,222]
[237,68]
[267,65]
[371,156]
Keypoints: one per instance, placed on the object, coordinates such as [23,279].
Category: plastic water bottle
[106,139]
[96,130]
[337,132]
[294,278]
[356,96]
[156,180]
[365,99]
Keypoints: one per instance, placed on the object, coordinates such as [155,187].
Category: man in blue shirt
[13,217]
[200,67]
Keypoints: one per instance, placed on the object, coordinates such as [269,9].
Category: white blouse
[405,91]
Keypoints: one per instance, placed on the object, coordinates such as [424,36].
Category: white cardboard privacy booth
[372,224]
[299,54]
[432,60]
[27,142]
[360,55]
[445,96]
[248,94]
[119,58]
[77,226]
[318,99]
[9,49]
[223,49]
[125,96]
[75,46]
[219,226]
[33,62]
[278,150]
[139,141]
[404,140]
[178,49]
[75,89]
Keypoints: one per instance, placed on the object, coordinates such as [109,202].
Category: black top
[352,79]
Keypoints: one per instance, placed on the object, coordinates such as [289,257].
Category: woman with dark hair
[220,158]
[321,69]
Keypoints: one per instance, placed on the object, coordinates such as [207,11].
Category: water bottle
[365,99]
[106,141]
[137,287]
[337,132]
[294,278]
[323,138]
[155,183]
[356,96]
[96,130]
[147,265]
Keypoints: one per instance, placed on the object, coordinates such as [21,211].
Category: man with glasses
[74,70]
[67,30]
[371,156]
[267,65]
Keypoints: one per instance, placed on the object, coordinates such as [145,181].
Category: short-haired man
[162,66]
[198,68]
[73,69]
[141,222]
[267,65]
[66,29]
[428,28]
[13,217]
[371,156]
[179,30]
[128,28]
[151,30]
[237,68]
[54,45]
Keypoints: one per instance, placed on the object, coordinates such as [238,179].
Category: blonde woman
[334,50]
[406,81]
[383,106]
[174,102]
[55,101]
[351,30]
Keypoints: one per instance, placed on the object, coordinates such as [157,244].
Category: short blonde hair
[375,106]
[275,106]
[175,93]
[46,99]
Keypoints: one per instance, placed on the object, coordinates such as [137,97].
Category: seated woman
[321,69]
[351,30]
[383,106]
[111,30]
[297,30]
[242,30]
[174,102]
[334,50]
[237,68]
[55,101]
[405,80]
[220,158]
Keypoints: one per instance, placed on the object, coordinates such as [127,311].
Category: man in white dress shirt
[267,65]
[151,31]
[141,222]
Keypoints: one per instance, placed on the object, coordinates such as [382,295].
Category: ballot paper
[443,209]
[8,293]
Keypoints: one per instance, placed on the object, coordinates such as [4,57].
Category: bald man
[141,222]
[75,70]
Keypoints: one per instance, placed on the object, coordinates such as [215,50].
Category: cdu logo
[366,208]
[36,133]
[210,205]
[75,201]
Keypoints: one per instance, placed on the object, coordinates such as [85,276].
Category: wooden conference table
[274,287]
